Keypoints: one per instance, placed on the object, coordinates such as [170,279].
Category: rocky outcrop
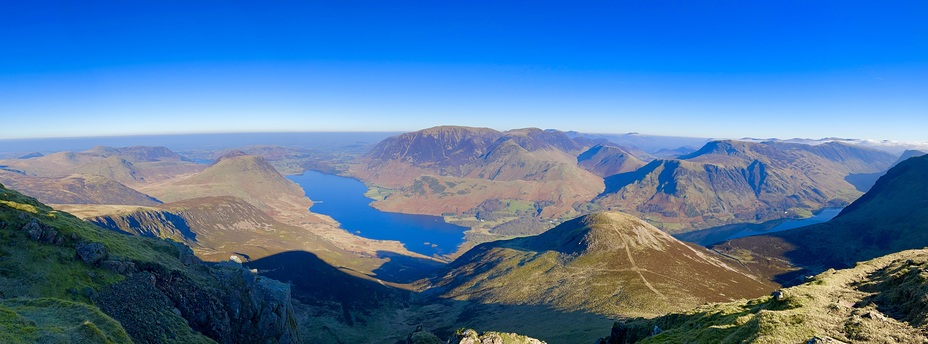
[91,253]
[40,232]
[237,307]
[469,336]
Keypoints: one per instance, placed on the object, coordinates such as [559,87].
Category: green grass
[378,193]
[48,320]
[835,304]
[45,289]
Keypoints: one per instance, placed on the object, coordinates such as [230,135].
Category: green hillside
[62,277]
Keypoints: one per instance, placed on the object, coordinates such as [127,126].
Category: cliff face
[240,308]
[157,290]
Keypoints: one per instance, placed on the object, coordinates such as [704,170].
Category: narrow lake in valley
[713,235]
[343,199]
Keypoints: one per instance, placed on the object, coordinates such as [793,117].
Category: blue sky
[696,68]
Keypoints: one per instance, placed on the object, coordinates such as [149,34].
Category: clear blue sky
[694,68]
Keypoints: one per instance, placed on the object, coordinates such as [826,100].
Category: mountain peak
[436,146]
[606,262]
[534,139]
[602,232]
[720,147]
[230,154]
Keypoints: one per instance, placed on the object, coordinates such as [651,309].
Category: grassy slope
[77,189]
[54,279]
[49,320]
[608,263]
[879,301]
[246,177]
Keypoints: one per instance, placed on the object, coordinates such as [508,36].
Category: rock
[50,236]
[846,304]
[875,315]
[42,233]
[91,253]
[491,338]
[422,337]
[34,229]
[619,334]
[185,254]
[117,266]
[779,295]
[465,337]
[824,340]
[233,306]
[656,330]
[235,258]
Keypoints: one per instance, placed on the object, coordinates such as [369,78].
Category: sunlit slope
[884,300]
[734,181]
[609,263]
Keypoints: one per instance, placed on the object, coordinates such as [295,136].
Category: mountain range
[888,218]
[734,181]
[452,171]
[455,169]
[591,220]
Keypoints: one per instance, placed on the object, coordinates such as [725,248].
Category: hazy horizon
[395,132]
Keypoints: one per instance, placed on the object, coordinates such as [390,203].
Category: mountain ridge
[890,217]
[608,263]
[735,181]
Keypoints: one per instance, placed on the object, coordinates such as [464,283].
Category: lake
[343,199]
[727,232]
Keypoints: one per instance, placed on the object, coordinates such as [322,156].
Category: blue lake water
[822,216]
[727,232]
[343,199]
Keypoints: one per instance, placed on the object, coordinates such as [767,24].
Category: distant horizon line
[709,138]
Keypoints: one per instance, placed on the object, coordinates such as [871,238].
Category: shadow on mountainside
[404,269]
[334,305]
[891,217]
[616,182]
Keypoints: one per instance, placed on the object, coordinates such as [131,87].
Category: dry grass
[878,301]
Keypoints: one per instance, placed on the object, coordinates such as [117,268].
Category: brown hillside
[607,160]
[455,169]
[246,177]
[608,263]
[891,217]
[76,189]
[733,181]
